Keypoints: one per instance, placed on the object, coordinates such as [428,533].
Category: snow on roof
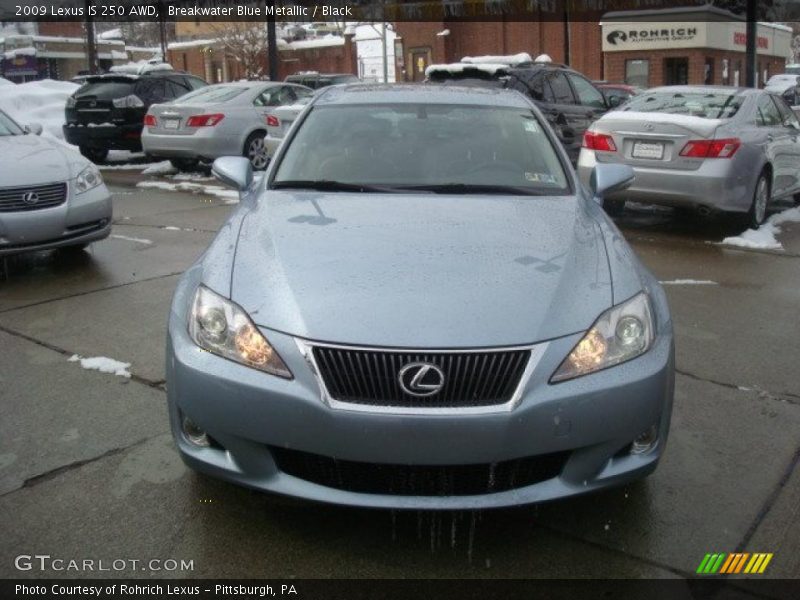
[513,59]
[452,68]
[111,34]
[27,51]
[192,44]
[320,42]
[140,67]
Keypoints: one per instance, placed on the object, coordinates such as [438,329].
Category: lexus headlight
[621,333]
[87,179]
[71,102]
[220,326]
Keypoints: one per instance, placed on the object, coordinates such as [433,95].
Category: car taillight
[711,148]
[598,141]
[204,120]
[273,121]
[149,121]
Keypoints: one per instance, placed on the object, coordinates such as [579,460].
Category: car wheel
[184,164]
[761,197]
[256,151]
[96,155]
[613,208]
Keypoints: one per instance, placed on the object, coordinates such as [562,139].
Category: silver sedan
[50,195]
[704,148]
[219,120]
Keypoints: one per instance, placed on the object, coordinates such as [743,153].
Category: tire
[613,208]
[96,155]
[761,198]
[256,151]
[184,164]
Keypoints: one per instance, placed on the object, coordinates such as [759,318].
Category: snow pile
[26,51]
[689,282]
[454,68]
[764,238]
[5,82]
[38,102]
[230,196]
[103,364]
[160,168]
[513,59]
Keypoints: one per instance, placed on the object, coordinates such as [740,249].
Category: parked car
[226,119]
[279,121]
[786,85]
[106,113]
[617,93]
[705,148]
[569,100]
[55,200]
[315,81]
[425,310]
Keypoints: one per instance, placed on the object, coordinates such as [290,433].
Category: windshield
[213,94]
[8,127]
[707,105]
[444,148]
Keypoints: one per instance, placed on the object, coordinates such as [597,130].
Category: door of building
[676,71]
[420,59]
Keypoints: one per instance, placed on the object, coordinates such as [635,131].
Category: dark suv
[568,99]
[321,80]
[107,111]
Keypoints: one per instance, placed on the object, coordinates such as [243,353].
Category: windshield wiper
[476,188]
[328,185]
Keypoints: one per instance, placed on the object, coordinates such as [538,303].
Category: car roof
[366,93]
[699,89]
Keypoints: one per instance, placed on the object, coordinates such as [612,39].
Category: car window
[175,89]
[768,114]
[588,95]
[8,127]
[302,93]
[562,93]
[151,90]
[402,145]
[213,94]
[195,83]
[530,86]
[285,95]
[106,90]
[707,105]
[267,97]
[787,114]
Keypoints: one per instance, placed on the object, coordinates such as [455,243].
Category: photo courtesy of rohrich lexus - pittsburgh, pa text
[400,299]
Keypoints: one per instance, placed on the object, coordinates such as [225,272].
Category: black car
[107,111]
[568,99]
[321,80]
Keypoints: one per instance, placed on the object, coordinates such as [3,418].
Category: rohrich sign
[772,40]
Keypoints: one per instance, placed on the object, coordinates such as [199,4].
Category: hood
[421,270]
[623,119]
[34,160]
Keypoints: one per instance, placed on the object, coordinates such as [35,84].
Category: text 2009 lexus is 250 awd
[419,306]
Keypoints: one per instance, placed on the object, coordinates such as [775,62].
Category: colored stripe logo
[724,563]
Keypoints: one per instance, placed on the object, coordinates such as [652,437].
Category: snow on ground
[38,102]
[103,364]
[132,239]
[160,168]
[123,156]
[4,81]
[764,238]
[689,282]
[191,177]
[230,196]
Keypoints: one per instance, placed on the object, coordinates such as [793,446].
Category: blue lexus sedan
[420,306]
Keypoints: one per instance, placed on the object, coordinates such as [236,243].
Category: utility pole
[750,52]
[91,46]
[385,55]
[162,30]
[272,43]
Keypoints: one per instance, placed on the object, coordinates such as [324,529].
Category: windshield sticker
[531,127]
[540,177]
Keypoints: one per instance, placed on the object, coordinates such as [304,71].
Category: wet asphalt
[87,467]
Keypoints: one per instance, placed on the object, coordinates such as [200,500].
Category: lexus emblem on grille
[93,103]
[30,197]
[421,379]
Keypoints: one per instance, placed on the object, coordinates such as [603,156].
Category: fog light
[645,441]
[194,434]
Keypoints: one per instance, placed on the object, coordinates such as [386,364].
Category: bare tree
[246,43]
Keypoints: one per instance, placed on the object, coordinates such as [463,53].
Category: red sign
[740,39]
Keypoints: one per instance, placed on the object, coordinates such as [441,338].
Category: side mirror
[614,101]
[34,128]
[233,171]
[609,178]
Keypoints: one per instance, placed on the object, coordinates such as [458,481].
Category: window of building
[637,72]
[676,71]
[726,74]
[708,73]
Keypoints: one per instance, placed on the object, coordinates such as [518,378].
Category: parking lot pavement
[87,468]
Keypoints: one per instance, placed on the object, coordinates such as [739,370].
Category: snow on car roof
[511,59]
[457,68]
